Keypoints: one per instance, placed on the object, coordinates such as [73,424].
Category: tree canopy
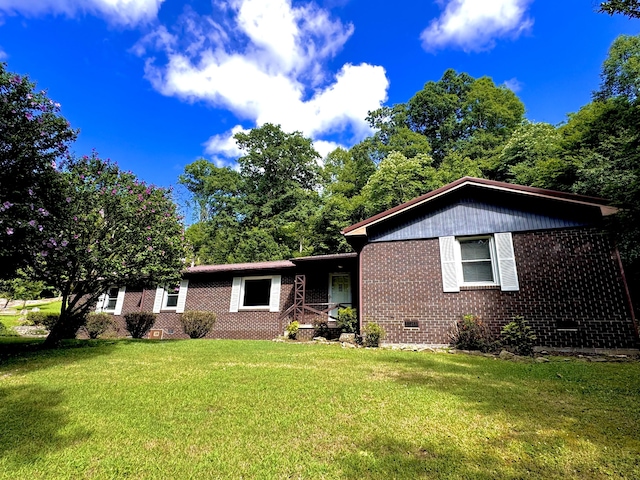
[113,230]
[34,137]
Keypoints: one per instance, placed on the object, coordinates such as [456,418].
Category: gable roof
[360,228]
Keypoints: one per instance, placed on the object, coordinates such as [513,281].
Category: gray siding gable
[473,216]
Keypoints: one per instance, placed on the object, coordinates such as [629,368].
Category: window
[256,293]
[170,298]
[477,261]
[111,299]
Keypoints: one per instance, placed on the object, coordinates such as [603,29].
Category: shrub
[292,330]
[373,334]
[347,319]
[196,323]
[98,323]
[46,320]
[321,328]
[139,323]
[517,336]
[469,333]
[7,332]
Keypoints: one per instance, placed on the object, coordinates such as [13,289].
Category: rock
[597,359]
[347,337]
[619,356]
[542,360]
[505,355]
[320,339]
[348,345]
[544,352]
[35,309]
[278,339]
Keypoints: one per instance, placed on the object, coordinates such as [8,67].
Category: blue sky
[156,84]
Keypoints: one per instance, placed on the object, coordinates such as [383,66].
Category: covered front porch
[323,284]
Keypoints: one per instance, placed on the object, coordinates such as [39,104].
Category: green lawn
[250,409]
[13,320]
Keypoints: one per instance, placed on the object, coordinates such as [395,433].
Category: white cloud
[121,12]
[474,25]
[266,62]
[224,143]
[3,55]
[324,147]
[513,84]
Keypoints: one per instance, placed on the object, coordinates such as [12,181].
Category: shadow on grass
[30,354]
[556,420]
[33,422]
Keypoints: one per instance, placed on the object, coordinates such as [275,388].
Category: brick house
[251,300]
[474,246]
[495,250]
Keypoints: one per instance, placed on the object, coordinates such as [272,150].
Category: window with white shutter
[478,261]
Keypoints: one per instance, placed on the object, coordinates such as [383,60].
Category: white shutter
[119,301]
[182,296]
[235,294]
[100,303]
[506,262]
[449,264]
[274,298]
[157,302]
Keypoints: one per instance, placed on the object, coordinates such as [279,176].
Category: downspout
[360,316]
[626,290]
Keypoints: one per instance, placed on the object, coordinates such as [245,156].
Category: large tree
[112,230]
[631,8]
[621,70]
[457,113]
[33,138]
[265,210]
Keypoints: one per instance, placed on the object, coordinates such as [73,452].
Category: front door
[339,290]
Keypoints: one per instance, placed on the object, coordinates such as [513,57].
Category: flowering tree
[111,230]
[33,137]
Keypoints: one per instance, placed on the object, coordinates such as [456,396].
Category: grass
[251,409]
[14,320]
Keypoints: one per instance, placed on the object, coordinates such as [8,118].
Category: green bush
[347,320]
[98,323]
[139,323]
[46,320]
[196,323]
[373,334]
[292,330]
[469,333]
[518,337]
[7,332]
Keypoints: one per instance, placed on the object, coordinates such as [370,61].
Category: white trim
[274,294]
[119,301]
[157,301]
[100,302]
[182,296]
[235,294]
[506,262]
[449,264]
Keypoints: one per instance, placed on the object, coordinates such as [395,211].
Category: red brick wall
[214,295]
[564,275]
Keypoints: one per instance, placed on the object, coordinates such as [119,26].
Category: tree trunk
[67,325]
[65,328]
